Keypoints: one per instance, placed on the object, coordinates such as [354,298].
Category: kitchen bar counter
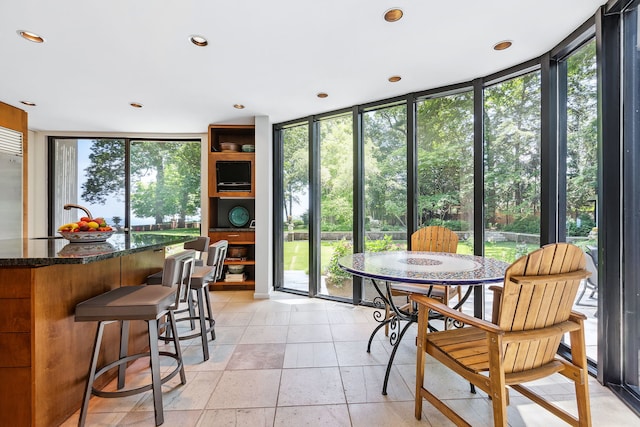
[40,252]
[44,353]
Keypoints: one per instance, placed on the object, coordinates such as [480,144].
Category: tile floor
[295,361]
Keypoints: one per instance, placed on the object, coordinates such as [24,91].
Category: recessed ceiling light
[32,37]
[322,95]
[136,105]
[393,15]
[28,103]
[394,79]
[505,44]
[238,106]
[198,40]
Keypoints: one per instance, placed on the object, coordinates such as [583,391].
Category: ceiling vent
[10,142]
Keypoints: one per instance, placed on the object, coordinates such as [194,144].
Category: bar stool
[200,245]
[199,284]
[148,303]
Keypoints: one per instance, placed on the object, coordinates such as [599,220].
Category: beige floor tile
[385,414]
[219,356]
[310,355]
[246,389]
[233,318]
[354,332]
[348,316]
[257,356]
[354,353]
[96,419]
[274,305]
[309,318]
[248,306]
[190,396]
[309,305]
[171,418]
[311,386]
[270,318]
[363,384]
[264,334]
[229,334]
[258,417]
[313,416]
[309,333]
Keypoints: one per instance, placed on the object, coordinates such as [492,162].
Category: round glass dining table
[417,272]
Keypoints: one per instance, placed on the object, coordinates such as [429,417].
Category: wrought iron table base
[400,315]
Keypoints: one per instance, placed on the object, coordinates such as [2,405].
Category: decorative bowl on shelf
[237,251]
[86,236]
[229,146]
[248,148]
[235,269]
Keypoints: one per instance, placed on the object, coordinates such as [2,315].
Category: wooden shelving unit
[224,197]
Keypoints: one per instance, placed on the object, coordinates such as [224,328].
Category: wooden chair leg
[579,358]
[497,378]
[420,359]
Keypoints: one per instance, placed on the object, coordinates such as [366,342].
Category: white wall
[264,208]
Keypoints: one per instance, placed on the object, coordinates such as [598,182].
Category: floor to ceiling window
[295,204]
[579,141]
[385,181]
[444,135]
[512,167]
[155,188]
[630,338]
[336,203]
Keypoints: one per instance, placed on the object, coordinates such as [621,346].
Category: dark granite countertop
[49,251]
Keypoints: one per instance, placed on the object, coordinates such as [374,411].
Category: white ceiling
[272,56]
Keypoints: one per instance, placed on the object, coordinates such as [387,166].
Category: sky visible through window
[114,206]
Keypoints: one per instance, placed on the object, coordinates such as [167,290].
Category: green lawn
[296,254]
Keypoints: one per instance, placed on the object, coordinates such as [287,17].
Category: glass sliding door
[295,205]
[512,167]
[385,181]
[336,203]
[581,179]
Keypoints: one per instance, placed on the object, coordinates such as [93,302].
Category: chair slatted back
[434,238]
[529,306]
[216,257]
[200,245]
[177,273]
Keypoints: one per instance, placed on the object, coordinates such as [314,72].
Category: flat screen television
[233,176]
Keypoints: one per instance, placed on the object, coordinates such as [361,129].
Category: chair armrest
[447,311]
[577,317]
[573,275]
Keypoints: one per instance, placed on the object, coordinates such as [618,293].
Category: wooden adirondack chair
[433,238]
[531,313]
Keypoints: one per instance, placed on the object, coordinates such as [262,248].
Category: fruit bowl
[86,236]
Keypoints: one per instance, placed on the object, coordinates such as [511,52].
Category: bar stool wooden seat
[199,284]
[143,302]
